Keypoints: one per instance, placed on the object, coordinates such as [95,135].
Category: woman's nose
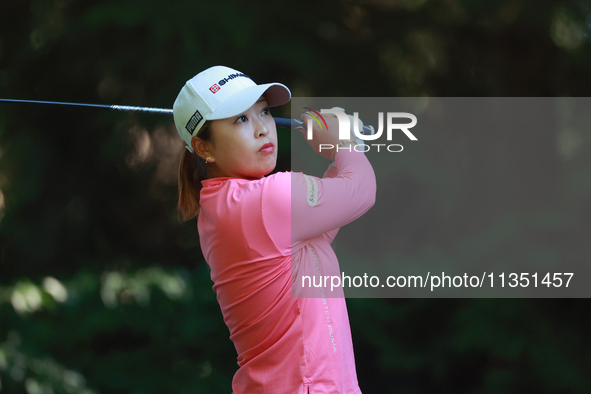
[261,128]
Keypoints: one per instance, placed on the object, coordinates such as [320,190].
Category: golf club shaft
[114,107]
[280,122]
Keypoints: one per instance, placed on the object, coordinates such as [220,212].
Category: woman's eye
[266,111]
[241,119]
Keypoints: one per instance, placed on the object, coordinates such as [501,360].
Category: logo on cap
[230,77]
[214,88]
[193,122]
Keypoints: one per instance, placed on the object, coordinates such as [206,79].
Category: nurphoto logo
[368,133]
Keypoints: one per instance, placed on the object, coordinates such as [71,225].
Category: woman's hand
[322,138]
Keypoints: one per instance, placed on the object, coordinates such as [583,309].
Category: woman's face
[244,146]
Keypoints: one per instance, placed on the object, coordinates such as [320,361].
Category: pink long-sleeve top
[259,238]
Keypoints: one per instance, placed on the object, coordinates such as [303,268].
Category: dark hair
[192,171]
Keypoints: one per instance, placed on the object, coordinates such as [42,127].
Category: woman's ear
[201,147]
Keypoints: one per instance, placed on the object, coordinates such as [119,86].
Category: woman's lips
[267,148]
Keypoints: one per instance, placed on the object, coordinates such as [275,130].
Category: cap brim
[275,93]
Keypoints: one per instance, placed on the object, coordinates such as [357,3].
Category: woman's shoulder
[276,188]
[268,187]
[284,176]
[278,179]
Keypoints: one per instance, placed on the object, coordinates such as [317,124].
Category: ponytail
[192,171]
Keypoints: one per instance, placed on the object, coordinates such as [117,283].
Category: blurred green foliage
[152,330]
[103,291]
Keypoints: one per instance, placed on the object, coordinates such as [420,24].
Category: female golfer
[260,234]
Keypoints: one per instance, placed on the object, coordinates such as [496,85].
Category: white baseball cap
[217,93]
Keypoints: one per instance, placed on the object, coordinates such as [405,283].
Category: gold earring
[207,159]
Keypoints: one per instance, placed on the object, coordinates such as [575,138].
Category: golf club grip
[285,123]
[293,123]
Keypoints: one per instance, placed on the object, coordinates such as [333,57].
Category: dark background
[102,289]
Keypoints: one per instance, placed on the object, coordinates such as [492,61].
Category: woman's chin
[267,170]
[269,166]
